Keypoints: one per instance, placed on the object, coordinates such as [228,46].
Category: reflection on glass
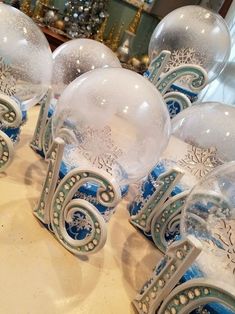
[223,88]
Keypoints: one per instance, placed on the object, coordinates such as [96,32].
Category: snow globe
[105,136]
[25,73]
[197,146]
[197,273]
[188,39]
[70,60]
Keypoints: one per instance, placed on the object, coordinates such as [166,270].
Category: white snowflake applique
[7,82]
[184,56]
[225,234]
[200,161]
[98,147]
[80,222]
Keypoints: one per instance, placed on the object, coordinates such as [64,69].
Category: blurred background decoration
[123,25]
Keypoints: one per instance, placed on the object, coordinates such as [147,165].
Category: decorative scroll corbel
[58,209]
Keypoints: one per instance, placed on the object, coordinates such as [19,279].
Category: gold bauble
[59,24]
[38,10]
[135,63]
[26,7]
[145,60]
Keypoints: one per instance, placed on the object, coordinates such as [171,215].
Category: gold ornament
[144,60]
[59,24]
[110,36]
[135,63]
[116,39]
[133,26]
[39,10]
[46,2]
[100,34]
[26,7]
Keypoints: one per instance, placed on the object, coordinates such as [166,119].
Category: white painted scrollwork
[64,209]
[10,113]
[76,222]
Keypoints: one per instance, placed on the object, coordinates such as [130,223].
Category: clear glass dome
[76,57]
[202,138]
[209,215]
[112,119]
[193,35]
[25,57]
[208,125]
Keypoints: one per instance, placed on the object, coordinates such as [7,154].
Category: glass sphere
[209,215]
[76,57]
[25,57]
[193,35]
[208,126]
[202,138]
[112,119]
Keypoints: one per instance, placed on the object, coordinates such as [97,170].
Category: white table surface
[37,275]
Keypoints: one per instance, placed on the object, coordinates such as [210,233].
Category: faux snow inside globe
[25,58]
[114,120]
[78,56]
[25,74]
[193,35]
[70,60]
[202,139]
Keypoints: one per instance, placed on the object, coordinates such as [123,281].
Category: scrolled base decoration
[54,158]
[63,206]
[165,223]
[165,184]
[6,151]
[176,102]
[94,239]
[197,73]
[196,292]
[10,113]
[180,255]
[76,223]
[46,139]
[10,121]
[157,66]
[36,142]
